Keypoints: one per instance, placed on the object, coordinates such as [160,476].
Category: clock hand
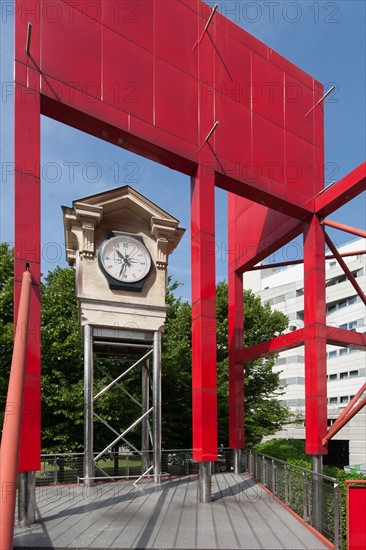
[122,269]
[120,255]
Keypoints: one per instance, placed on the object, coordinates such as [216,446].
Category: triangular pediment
[126,197]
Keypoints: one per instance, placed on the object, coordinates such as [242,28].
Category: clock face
[125,259]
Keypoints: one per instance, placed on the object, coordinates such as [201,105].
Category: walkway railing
[294,486]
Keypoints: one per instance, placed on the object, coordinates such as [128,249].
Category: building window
[333,400]
[343,351]
[344,399]
[332,377]
[353,374]
[343,375]
[332,264]
[332,354]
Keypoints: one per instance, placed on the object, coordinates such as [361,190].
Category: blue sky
[325,38]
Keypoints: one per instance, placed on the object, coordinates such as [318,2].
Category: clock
[125,261]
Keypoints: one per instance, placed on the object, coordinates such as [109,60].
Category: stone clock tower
[119,243]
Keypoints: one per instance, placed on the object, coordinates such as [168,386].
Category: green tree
[62,368]
[264,414]
[6,325]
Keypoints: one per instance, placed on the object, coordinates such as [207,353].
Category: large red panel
[268,90]
[175,34]
[133,20]
[176,116]
[232,68]
[268,151]
[299,165]
[233,135]
[127,79]
[71,50]
[299,100]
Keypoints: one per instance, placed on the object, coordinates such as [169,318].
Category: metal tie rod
[123,434]
[143,475]
[119,386]
[116,433]
[122,375]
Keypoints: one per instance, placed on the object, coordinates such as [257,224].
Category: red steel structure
[10,440]
[180,84]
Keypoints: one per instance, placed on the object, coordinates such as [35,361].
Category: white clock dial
[125,258]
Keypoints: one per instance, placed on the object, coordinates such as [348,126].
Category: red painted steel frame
[10,440]
[134,74]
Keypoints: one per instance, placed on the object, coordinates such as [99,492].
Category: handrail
[10,441]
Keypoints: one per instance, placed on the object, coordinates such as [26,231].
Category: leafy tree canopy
[62,368]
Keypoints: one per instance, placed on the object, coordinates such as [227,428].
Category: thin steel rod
[122,375]
[145,399]
[10,441]
[206,27]
[29,34]
[143,475]
[320,100]
[88,403]
[296,262]
[119,385]
[103,471]
[345,268]
[123,434]
[344,227]
[212,130]
[105,423]
[157,406]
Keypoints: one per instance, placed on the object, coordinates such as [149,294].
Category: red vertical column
[236,369]
[236,316]
[315,347]
[27,222]
[204,393]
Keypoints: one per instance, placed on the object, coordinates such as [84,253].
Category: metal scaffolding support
[96,341]
[88,405]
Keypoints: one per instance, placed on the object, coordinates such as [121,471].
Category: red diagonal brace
[345,416]
[343,191]
[344,227]
[345,268]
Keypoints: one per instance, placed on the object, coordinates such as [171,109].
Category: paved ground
[120,516]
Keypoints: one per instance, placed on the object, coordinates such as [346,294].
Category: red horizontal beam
[343,191]
[296,262]
[334,336]
[280,343]
[346,338]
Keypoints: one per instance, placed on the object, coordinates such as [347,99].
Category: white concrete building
[346,368]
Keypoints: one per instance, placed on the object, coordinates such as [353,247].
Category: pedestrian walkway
[120,516]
